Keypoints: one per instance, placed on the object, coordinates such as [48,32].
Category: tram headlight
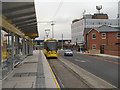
[48,52]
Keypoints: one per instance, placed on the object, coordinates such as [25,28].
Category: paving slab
[26,80]
[33,72]
[50,79]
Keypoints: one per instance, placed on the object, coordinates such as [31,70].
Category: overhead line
[58,9]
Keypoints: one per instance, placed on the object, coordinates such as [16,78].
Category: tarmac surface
[105,68]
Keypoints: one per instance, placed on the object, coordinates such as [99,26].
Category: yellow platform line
[52,74]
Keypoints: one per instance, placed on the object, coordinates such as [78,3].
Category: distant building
[92,21]
[119,14]
[96,16]
[88,16]
[77,28]
[100,16]
[119,9]
[75,20]
[104,39]
[40,43]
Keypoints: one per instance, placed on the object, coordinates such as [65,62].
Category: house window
[103,35]
[118,35]
[93,47]
[93,35]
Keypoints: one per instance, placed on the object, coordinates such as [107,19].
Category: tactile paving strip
[30,62]
[26,74]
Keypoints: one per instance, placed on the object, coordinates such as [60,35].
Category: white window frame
[92,35]
[92,46]
[118,35]
[102,36]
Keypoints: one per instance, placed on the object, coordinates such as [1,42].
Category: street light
[52,24]
[62,41]
[47,32]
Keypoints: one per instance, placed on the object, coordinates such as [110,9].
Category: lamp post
[47,32]
[52,29]
[62,41]
[52,24]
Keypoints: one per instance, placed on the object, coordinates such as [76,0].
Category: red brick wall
[91,41]
[112,50]
[111,39]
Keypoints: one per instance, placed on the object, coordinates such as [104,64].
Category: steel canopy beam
[24,23]
[27,21]
[19,18]
[32,24]
[17,8]
[31,34]
[22,27]
[24,19]
[21,15]
[11,28]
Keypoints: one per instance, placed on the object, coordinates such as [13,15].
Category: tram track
[66,77]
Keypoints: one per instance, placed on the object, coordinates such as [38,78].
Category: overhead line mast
[52,24]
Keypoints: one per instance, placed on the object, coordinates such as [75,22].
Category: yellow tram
[51,48]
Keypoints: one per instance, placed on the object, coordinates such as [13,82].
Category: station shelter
[18,26]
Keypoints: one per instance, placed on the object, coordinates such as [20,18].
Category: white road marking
[87,60]
[79,60]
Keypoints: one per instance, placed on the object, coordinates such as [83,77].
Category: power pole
[52,24]
[62,41]
[52,29]
[47,32]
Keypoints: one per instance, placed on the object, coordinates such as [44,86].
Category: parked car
[68,53]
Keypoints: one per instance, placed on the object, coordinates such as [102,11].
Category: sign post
[68,44]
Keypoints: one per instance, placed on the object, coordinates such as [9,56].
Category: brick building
[77,27]
[104,39]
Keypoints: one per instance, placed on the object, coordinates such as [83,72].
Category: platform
[33,72]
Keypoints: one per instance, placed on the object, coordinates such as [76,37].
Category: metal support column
[16,45]
[0,60]
[26,47]
[0,46]
[62,41]
[30,47]
[23,49]
[12,44]
[0,29]
[0,49]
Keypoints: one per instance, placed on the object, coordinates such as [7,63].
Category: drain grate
[26,74]
[29,62]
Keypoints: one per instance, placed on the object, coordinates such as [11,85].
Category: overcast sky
[47,10]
